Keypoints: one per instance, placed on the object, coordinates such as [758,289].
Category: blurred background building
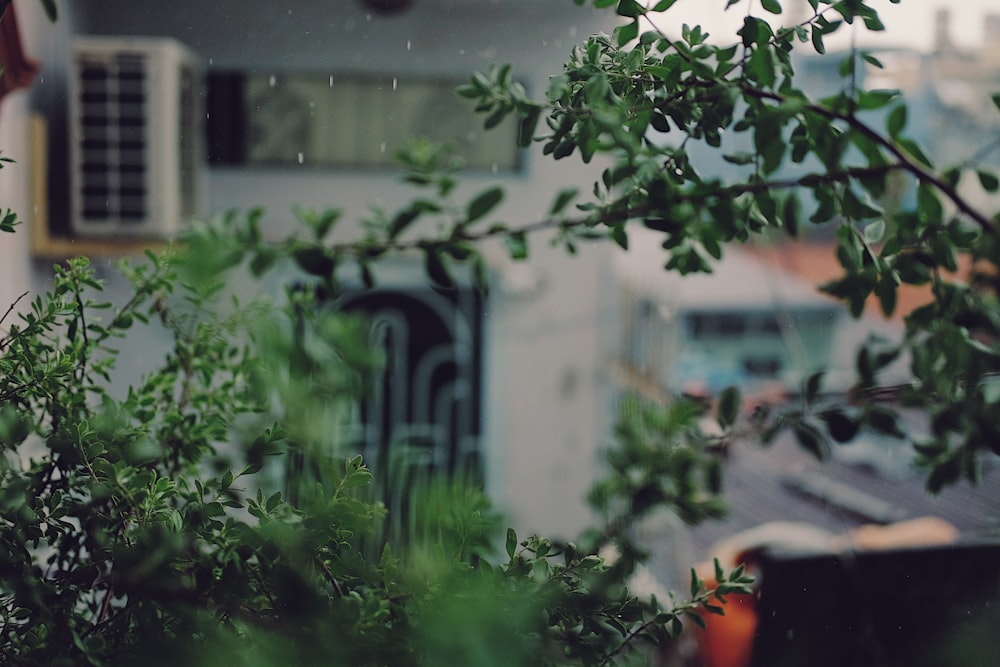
[304,104]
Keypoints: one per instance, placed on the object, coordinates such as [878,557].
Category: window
[717,325]
[762,367]
[321,120]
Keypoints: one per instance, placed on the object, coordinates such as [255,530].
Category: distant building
[747,323]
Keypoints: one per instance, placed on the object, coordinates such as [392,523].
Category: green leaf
[811,387]
[761,67]
[511,542]
[872,21]
[996,100]
[886,293]
[841,427]
[51,11]
[626,33]
[817,40]
[945,472]
[875,231]
[517,245]
[875,99]
[619,236]
[480,275]
[214,509]
[697,618]
[872,60]
[526,127]
[884,421]
[988,180]
[367,277]
[729,406]
[563,198]
[314,260]
[914,149]
[436,269]
[483,203]
[742,157]
[630,8]
[402,220]
[929,207]
[496,118]
[896,121]
[720,575]
[811,439]
[468,91]
[790,215]
[772,6]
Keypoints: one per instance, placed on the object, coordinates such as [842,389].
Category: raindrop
[272,81]
[331,81]
[211,61]
[572,31]
[408,44]
[368,17]
[301,158]
[381,147]
[494,168]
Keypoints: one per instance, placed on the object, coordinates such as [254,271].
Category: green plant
[134,529]
[143,527]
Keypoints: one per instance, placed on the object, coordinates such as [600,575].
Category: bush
[144,528]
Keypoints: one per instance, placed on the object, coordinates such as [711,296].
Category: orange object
[727,641]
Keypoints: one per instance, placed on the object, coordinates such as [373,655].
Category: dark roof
[868,482]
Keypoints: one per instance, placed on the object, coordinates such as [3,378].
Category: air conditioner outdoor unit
[134,130]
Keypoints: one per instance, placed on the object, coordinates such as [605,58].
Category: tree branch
[905,160]
[615,215]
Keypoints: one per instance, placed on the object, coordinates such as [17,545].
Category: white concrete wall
[15,249]
[546,393]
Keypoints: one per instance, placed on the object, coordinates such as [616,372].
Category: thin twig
[613,216]
[106,604]
[7,341]
[12,306]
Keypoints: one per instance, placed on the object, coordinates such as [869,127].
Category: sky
[910,23]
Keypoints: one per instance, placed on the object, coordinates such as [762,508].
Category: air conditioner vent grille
[113,140]
[135,142]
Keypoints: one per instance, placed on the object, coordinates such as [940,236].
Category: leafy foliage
[134,531]
[147,528]
[646,100]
